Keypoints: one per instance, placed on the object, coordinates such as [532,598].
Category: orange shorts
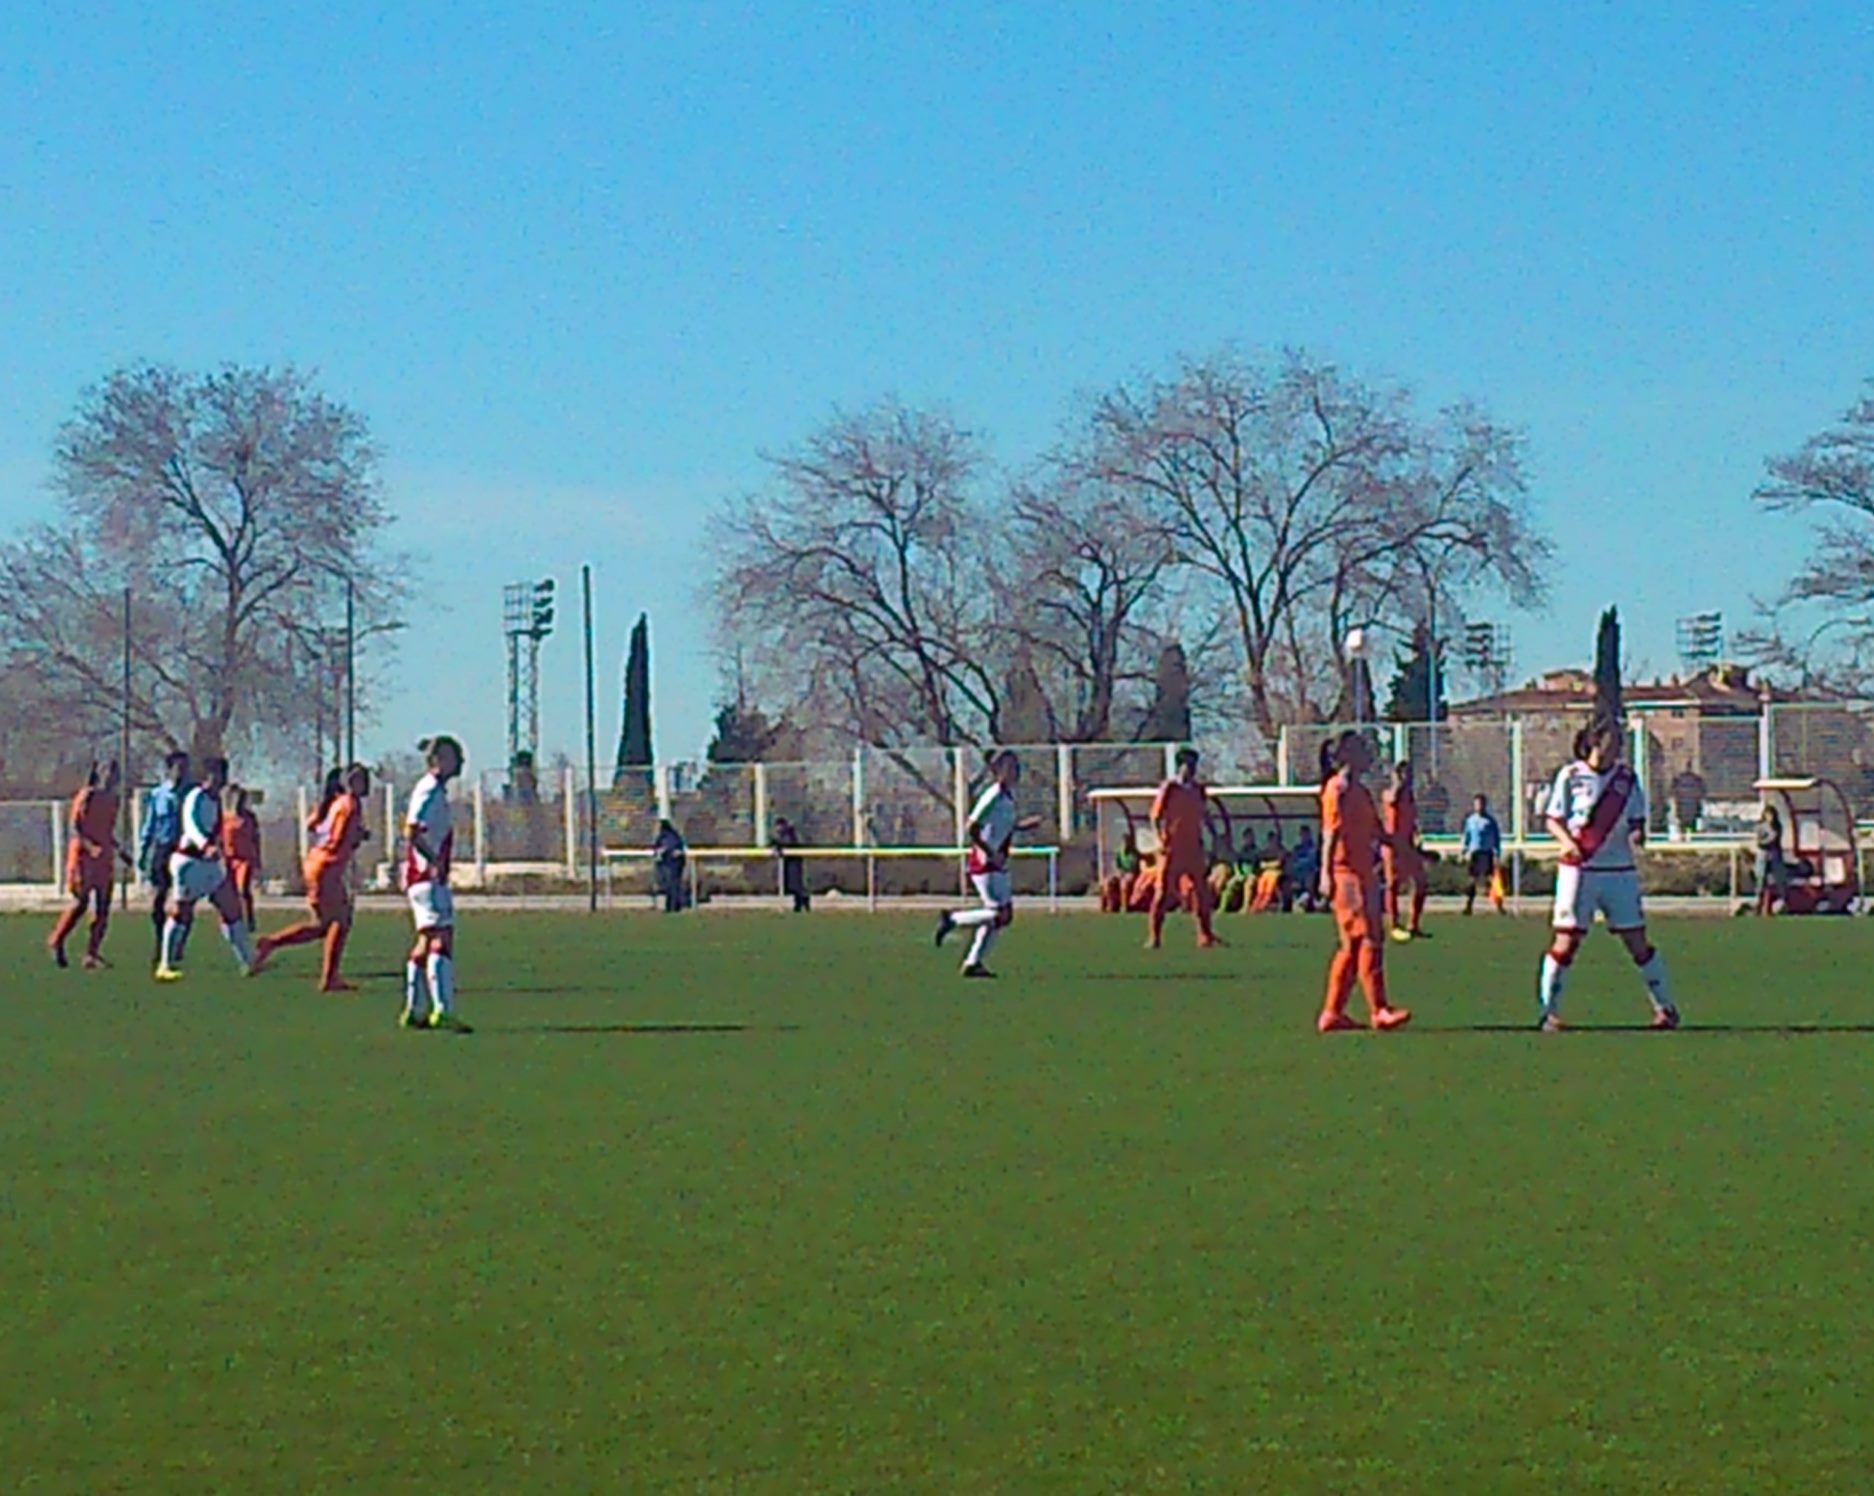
[1357,907]
[85,876]
[329,897]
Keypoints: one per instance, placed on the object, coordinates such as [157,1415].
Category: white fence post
[136,832]
[302,831]
[1171,760]
[660,777]
[1401,742]
[761,804]
[1281,755]
[858,796]
[1766,743]
[960,802]
[1519,798]
[481,834]
[1064,772]
[570,788]
[58,845]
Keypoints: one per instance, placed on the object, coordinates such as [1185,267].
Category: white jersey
[429,812]
[994,818]
[1577,792]
[201,824]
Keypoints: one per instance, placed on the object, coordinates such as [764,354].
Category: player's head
[1186,764]
[214,774]
[1770,817]
[1330,758]
[112,776]
[443,754]
[1480,804]
[1604,741]
[1353,753]
[1402,774]
[239,793]
[1005,768]
[358,780]
[176,767]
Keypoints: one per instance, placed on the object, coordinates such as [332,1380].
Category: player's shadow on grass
[1164,976]
[650,1028]
[1784,1029]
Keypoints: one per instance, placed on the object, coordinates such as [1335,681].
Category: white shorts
[432,906]
[196,878]
[994,889]
[1581,893]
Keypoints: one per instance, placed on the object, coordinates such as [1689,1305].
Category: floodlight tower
[1701,641]
[1488,653]
[526,620]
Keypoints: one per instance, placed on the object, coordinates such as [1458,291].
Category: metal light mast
[526,620]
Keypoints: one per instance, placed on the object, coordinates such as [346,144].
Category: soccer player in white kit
[1597,811]
[197,872]
[429,847]
[991,831]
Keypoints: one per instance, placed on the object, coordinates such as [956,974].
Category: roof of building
[1723,690]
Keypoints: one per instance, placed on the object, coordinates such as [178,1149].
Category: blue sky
[579,264]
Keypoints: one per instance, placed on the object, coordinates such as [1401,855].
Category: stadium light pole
[592,755]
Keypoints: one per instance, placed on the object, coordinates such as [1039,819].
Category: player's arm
[1027,824]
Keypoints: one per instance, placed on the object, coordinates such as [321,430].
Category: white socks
[238,942]
[1654,972]
[174,933]
[1550,987]
[412,986]
[985,937]
[441,981]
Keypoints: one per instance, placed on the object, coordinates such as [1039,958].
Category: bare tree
[1831,477]
[1309,502]
[864,575]
[227,503]
[1088,564]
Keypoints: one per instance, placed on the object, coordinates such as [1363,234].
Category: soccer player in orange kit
[1178,815]
[1405,862]
[337,831]
[1351,837]
[90,865]
[240,849]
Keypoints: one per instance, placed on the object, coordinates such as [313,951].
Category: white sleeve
[985,803]
[423,805]
[1557,807]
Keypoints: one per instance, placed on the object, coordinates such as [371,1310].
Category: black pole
[351,671]
[126,831]
[592,756]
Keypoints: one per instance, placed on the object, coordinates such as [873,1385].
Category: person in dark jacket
[785,845]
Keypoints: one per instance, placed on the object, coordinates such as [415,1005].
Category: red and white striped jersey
[429,813]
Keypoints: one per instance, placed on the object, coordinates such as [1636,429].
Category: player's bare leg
[62,931]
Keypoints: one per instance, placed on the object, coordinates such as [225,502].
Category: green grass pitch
[761,1204]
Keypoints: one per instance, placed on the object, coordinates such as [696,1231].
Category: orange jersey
[1402,818]
[240,837]
[1178,813]
[335,838]
[94,825]
[1347,809]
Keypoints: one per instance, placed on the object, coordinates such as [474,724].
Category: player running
[1178,817]
[240,845]
[991,831]
[336,832]
[158,838]
[1597,811]
[1351,837]
[90,865]
[1404,859]
[429,846]
[197,871]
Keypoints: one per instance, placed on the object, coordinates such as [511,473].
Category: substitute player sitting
[1178,817]
[336,832]
[1597,812]
[90,865]
[197,872]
